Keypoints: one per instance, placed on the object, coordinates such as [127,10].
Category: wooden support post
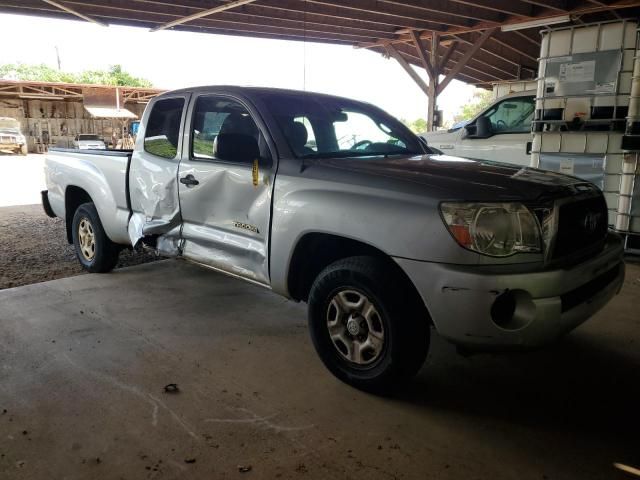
[433,85]
[430,63]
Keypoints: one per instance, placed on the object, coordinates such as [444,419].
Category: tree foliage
[114,75]
[481,99]
[419,125]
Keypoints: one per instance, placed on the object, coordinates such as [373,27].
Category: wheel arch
[73,197]
[314,251]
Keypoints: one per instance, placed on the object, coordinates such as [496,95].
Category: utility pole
[58,58]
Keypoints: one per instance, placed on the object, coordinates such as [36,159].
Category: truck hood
[437,134]
[455,178]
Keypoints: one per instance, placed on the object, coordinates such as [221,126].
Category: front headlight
[20,139]
[494,229]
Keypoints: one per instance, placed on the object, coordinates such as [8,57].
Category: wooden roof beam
[398,10]
[449,8]
[508,7]
[422,54]
[468,70]
[75,13]
[463,76]
[257,10]
[286,29]
[204,13]
[336,10]
[391,50]
[557,5]
[460,64]
[137,10]
[451,49]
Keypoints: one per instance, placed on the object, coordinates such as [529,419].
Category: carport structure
[474,41]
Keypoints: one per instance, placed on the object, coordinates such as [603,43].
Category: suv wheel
[94,250]
[368,324]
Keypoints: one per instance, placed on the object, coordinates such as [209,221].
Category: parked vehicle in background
[501,132]
[335,203]
[11,138]
[88,141]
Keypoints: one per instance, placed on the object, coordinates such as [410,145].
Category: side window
[512,115]
[163,128]
[223,129]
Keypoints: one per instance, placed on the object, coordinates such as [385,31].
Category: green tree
[481,99]
[43,73]
[419,125]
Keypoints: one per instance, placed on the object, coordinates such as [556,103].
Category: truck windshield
[9,124]
[318,126]
[88,137]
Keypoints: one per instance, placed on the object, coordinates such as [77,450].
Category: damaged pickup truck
[335,203]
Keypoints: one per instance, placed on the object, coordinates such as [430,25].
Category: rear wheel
[367,323]
[94,250]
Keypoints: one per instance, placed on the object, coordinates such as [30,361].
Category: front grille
[588,290]
[582,226]
[7,139]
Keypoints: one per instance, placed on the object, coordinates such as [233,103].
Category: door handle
[189,181]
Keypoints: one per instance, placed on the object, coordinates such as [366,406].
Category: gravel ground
[34,248]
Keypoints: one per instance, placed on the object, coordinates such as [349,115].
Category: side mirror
[483,127]
[236,147]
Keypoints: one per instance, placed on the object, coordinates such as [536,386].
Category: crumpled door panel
[153,188]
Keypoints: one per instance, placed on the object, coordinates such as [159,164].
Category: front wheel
[94,250]
[368,324]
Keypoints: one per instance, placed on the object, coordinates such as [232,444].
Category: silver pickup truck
[335,203]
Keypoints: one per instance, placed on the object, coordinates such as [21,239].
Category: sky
[173,59]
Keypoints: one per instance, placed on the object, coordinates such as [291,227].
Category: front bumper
[547,303]
[11,146]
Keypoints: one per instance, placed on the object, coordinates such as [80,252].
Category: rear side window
[163,128]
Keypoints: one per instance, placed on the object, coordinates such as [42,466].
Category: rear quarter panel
[102,176]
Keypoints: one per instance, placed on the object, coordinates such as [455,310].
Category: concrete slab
[83,363]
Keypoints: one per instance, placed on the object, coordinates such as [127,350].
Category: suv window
[163,128]
[513,115]
[216,116]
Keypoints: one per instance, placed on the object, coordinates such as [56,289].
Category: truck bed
[102,174]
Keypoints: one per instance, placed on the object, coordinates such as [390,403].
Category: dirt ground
[33,248]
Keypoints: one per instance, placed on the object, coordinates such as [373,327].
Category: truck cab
[501,132]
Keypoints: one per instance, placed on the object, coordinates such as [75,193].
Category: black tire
[400,316]
[105,252]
